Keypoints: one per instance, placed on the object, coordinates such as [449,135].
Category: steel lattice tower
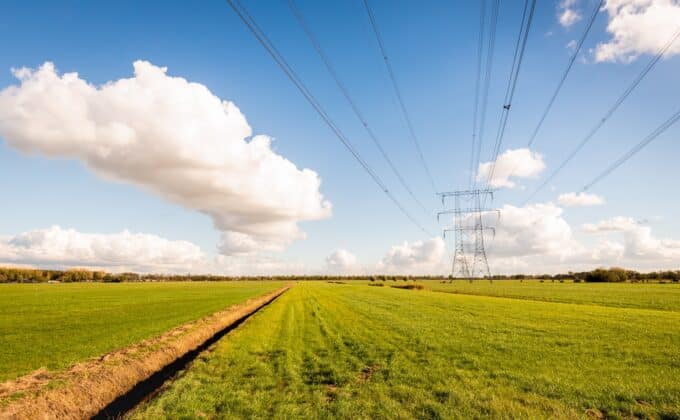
[459,265]
[469,229]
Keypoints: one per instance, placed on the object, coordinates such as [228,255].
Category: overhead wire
[355,108]
[478,73]
[562,80]
[570,64]
[400,99]
[263,40]
[633,151]
[650,65]
[493,22]
[520,48]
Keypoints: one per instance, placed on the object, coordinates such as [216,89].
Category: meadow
[55,325]
[348,350]
[622,295]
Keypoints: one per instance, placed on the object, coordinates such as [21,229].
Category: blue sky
[432,47]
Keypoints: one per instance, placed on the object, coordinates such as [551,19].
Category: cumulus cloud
[173,138]
[567,14]
[536,229]
[341,261]
[420,257]
[615,224]
[581,199]
[62,248]
[536,239]
[638,241]
[517,163]
[256,265]
[639,27]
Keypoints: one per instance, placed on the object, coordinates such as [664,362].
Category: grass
[55,325]
[352,351]
[621,295]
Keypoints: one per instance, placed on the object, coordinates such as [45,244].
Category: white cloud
[581,199]
[341,261]
[638,241]
[170,137]
[571,45]
[567,14]
[537,239]
[419,257]
[537,229]
[517,163]
[615,224]
[639,27]
[63,248]
[255,265]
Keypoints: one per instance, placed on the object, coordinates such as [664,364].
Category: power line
[653,135]
[487,80]
[475,109]
[329,66]
[402,106]
[608,114]
[261,37]
[520,47]
[570,64]
[572,59]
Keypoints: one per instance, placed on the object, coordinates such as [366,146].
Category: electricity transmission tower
[468,228]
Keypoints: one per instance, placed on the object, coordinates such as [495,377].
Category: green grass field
[623,295]
[352,351]
[55,325]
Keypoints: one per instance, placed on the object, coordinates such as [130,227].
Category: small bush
[377,284]
[409,286]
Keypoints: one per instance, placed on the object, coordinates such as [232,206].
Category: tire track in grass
[438,355]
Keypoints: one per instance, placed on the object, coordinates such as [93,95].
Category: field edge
[87,387]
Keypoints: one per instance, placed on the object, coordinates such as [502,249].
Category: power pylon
[459,265]
[469,230]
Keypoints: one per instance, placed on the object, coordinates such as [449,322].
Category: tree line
[599,275]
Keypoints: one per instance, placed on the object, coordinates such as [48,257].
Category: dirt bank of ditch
[105,385]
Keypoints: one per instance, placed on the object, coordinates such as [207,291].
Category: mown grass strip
[323,351]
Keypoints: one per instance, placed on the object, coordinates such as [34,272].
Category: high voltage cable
[570,64]
[609,113]
[653,135]
[402,106]
[596,10]
[475,109]
[487,80]
[317,46]
[520,47]
[262,38]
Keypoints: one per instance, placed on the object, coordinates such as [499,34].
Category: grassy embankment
[352,351]
[55,325]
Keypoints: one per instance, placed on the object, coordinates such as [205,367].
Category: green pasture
[352,351]
[623,295]
[54,325]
